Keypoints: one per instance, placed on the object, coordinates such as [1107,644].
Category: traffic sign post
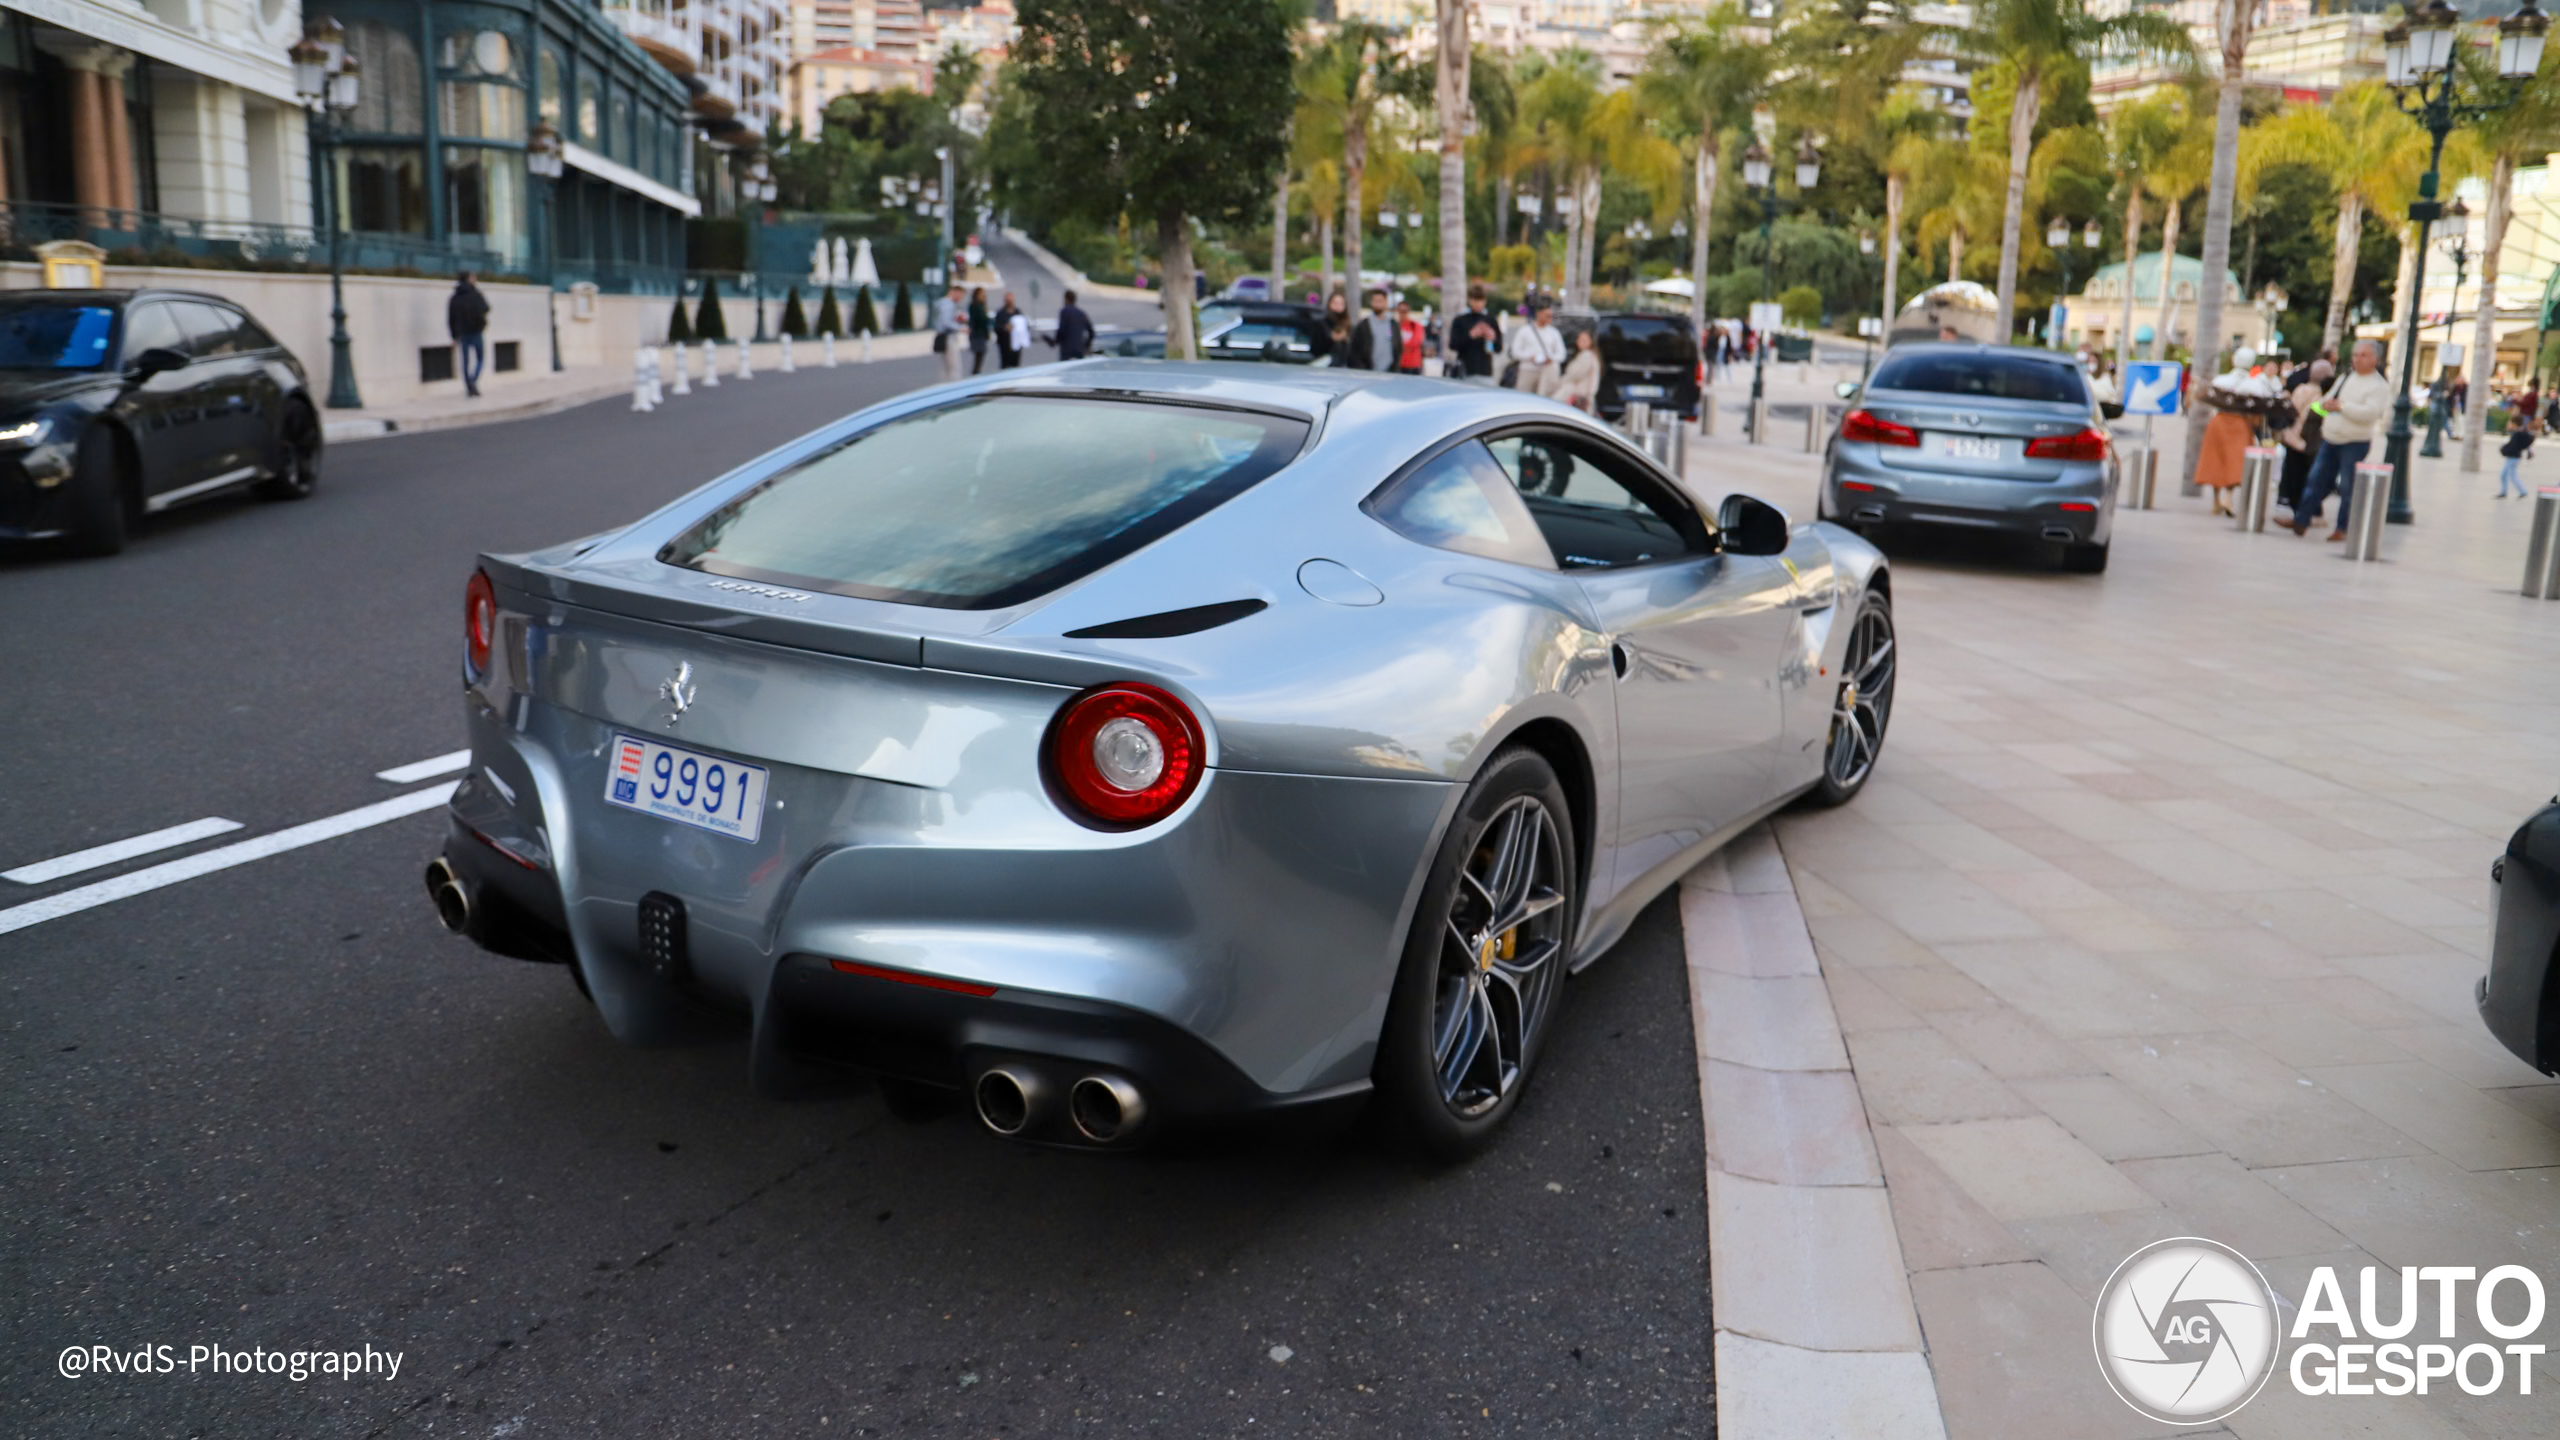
[2151,390]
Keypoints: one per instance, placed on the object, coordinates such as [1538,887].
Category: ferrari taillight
[1867,427]
[2089,444]
[1125,755]
[479,622]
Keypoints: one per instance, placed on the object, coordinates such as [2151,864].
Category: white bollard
[641,364]
[684,380]
[866,345]
[710,364]
[786,355]
[831,349]
[746,361]
[657,377]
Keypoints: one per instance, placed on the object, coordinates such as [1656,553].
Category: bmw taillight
[1125,755]
[479,622]
[1866,427]
[2089,444]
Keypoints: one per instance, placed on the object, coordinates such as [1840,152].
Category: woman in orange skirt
[2238,400]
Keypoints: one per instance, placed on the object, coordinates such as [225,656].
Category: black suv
[1648,357]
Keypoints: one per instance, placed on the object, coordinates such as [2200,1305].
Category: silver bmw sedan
[1122,747]
[1960,436]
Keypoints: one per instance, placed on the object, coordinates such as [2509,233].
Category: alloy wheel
[1501,956]
[1865,700]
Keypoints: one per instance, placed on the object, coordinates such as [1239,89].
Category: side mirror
[154,361]
[1752,526]
[2110,410]
[1847,389]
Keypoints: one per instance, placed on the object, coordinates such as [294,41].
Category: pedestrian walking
[1008,354]
[2519,444]
[1579,385]
[2458,394]
[466,319]
[2301,439]
[1017,333]
[2349,411]
[1536,353]
[981,329]
[1408,341]
[1374,341]
[1472,337]
[1074,337]
[946,333]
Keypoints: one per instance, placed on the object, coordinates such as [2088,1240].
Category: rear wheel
[298,456]
[102,491]
[2085,559]
[1861,706]
[1484,966]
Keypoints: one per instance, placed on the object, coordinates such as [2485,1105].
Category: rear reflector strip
[909,977]
[2081,507]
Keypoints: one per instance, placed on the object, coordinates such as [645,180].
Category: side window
[212,329]
[1597,510]
[1461,500]
[254,336]
[1252,335]
[153,327]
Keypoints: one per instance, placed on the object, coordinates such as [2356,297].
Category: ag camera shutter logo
[2185,1331]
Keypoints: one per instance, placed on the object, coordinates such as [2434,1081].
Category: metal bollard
[2542,554]
[2366,508]
[1707,412]
[2257,481]
[1760,420]
[684,376]
[1677,440]
[1817,417]
[2140,478]
[1637,420]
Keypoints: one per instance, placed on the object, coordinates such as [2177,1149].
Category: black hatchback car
[2518,998]
[116,404]
[1647,357]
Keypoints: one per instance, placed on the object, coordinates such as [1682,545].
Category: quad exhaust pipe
[452,902]
[1014,1099]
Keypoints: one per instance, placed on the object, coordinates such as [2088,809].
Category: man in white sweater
[2350,414]
[1539,350]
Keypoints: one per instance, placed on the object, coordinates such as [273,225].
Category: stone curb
[1816,1334]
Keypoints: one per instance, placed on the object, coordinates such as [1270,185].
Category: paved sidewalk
[2161,918]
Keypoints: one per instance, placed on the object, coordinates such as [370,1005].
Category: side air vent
[1166,623]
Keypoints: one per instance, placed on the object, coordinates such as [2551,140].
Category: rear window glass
[1992,375]
[988,502]
[1647,337]
[49,335]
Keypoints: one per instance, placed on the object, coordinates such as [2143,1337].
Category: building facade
[2095,316]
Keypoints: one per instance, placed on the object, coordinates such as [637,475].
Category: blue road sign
[2151,387]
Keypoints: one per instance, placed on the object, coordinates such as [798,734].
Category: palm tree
[2136,135]
[1451,93]
[2038,40]
[2372,153]
[1702,77]
[1559,108]
[2171,176]
[2525,130]
[1953,190]
[1903,131]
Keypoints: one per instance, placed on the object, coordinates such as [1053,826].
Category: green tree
[866,315]
[2524,131]
[1701,78]
[1800,305]
[679,325]
[1160,109]
[2038,39]
[795,321]
[830,319]
[2372,155]
[708,323]
[902,314]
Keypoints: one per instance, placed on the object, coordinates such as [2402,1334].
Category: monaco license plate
[687,786]
[1968,447]
[1643,392]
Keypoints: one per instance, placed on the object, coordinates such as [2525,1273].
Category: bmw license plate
[1968,447]
[687,786]
[1643,392]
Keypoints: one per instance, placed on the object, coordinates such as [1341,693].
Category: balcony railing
[144,237]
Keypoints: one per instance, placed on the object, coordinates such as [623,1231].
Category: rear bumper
[2078,508]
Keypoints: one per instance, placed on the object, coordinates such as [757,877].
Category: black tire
[2085,559]
[297,456]
[1475,999]
[101,499]
[1861,706]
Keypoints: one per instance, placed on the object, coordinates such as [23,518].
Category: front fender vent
[1167,623]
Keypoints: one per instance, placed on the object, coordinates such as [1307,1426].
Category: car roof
[1980,347]
[124,297]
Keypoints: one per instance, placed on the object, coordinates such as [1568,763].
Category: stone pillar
[119,132]
[101,142]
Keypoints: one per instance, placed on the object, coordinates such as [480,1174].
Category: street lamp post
[759,189]
[2456,243]
[1867,366]
[2418,64]
[1755,174]
[324,80]
[542,157]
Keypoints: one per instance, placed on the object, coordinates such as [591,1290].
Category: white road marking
[89,897]
[425,769]
[109,854]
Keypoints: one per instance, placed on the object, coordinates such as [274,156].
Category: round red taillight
[1125,755]
[479,622]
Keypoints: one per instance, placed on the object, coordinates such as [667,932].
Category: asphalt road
[277,1106]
